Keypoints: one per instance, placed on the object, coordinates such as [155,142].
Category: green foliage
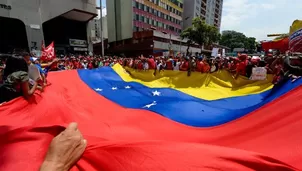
[233,39]
[201,33]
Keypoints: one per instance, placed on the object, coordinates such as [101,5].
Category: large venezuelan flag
[138,122]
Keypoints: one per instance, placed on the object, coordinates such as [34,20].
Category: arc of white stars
[150,105]
[156,93]
[127,87]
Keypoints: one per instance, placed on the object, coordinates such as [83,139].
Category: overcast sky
[257,18]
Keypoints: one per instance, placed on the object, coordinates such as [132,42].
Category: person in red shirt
[206,66]
[140,65]
[90,65]
[241,66]
[169,63]
[199,65]
[151,63]
[185,65]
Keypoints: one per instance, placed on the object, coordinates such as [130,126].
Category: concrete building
[26,23]
[96,29]
[152,25]
[192,9]
[208,10]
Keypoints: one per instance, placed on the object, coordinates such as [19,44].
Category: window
[155,12]
[142,18]
[135,29]
[155,23]
[136,17]
[150,21]
[160,24]
[140,6]
[145,20]
[152,10]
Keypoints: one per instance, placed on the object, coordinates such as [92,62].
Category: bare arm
[27,92]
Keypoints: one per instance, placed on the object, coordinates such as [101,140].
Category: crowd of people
[16,76]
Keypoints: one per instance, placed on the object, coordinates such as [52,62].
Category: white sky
[257,18]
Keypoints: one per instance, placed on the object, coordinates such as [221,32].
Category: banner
[295,39]
[48,53]
[280,44]
[259,74]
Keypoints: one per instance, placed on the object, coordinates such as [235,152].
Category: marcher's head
[26,57]
[14,64]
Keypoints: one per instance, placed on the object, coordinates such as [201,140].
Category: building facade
[67,23]
[192,9]
[208,10]
[96,29]
[164,18]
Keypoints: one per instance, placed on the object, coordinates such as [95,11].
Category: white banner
[258,73]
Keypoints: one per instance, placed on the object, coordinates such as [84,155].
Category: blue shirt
[40,68]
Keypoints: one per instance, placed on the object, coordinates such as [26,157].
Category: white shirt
[146,66]
[176,67]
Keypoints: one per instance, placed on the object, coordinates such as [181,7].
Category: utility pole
[101,20]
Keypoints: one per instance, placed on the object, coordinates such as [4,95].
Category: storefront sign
[79,43]
[81,49]
[3,6]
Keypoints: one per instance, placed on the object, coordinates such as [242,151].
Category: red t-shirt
[169,65]
[151,63]
[241,67]
[199,66]
[140,66]
[185,66]
[90,66]
[206,68]
[54,66]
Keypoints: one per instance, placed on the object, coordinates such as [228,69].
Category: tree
[233,39]
[200,33]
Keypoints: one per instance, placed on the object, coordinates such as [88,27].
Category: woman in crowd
[16,80]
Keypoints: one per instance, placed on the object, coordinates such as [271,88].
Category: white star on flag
[114,88]
[98,89]
[156,93]
[149,105]
[127,87]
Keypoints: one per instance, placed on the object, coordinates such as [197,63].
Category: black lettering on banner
[8,7]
